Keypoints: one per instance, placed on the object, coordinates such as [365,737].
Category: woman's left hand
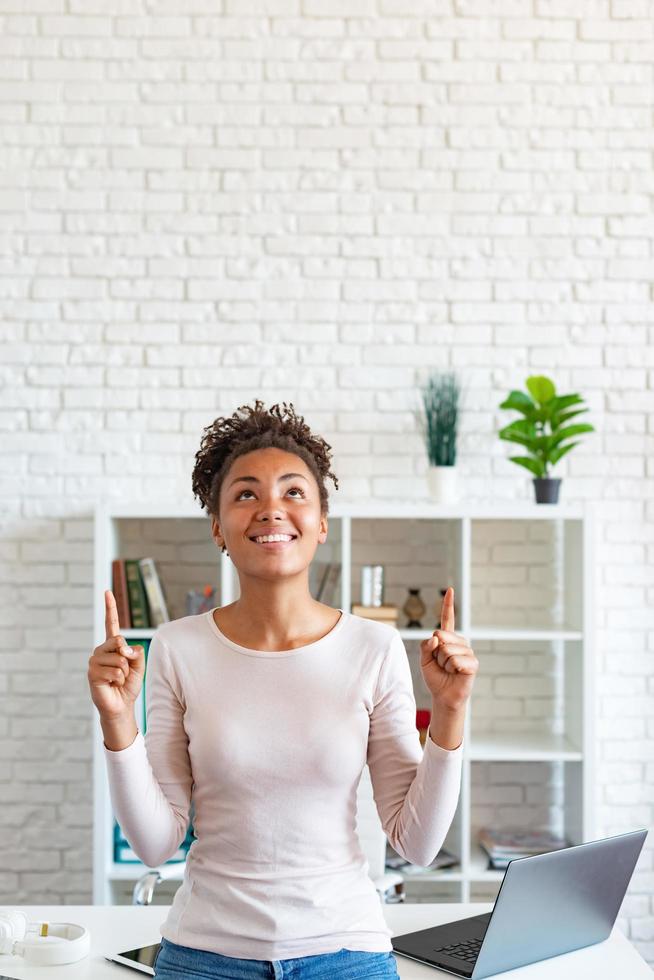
[448,664]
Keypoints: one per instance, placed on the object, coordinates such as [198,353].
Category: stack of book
[382,614]
[139,593]
[505,845]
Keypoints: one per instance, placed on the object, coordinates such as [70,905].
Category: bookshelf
[523,580]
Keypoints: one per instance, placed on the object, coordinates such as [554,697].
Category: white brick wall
[317,202]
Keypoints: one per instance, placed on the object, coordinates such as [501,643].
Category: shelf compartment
[528,796]
[416,553]
[524,574]
[528,700]
[185,554]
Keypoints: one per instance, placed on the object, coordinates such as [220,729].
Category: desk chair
[388,884]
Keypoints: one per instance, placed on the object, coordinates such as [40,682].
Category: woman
[264,712]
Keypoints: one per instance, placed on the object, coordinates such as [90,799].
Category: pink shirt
[272,746]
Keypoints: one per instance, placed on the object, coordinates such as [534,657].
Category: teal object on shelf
[123,853]
[145,643]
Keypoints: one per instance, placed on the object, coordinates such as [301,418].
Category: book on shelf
[157,607]
[139,593]
[119,589]
[382,614]
[509,843]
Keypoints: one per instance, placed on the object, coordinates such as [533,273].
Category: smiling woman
[261,478]
[263,713]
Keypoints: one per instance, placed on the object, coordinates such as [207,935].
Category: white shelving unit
[523,580]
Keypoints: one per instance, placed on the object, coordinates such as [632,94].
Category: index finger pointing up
[447,610]
[111,624]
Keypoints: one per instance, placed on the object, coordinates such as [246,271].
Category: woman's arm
[119,733]
[416,791]
[446,725]
[150,779]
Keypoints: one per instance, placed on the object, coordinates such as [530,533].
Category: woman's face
[259,497]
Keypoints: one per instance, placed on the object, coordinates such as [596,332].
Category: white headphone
[54,943]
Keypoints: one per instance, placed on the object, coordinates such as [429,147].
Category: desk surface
[117,927]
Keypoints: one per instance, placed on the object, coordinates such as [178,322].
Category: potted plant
[438,425]
[543,408]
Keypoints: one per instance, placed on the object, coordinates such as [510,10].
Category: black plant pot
[547,489]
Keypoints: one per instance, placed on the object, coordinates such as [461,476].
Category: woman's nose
[269,507]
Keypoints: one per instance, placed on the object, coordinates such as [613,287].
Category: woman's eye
[299,489]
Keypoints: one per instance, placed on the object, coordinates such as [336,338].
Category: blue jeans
[173,962]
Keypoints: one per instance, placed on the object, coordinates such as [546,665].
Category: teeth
[274,537]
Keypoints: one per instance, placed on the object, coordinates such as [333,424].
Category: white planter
[443,484]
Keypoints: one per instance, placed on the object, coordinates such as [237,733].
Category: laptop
[547,904]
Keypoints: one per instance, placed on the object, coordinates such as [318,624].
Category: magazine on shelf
[506,844]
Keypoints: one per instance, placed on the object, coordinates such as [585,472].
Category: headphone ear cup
[13,926]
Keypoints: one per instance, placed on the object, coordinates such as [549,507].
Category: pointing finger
[447,610]
[111,625]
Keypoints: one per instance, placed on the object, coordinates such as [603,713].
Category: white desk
[117,927]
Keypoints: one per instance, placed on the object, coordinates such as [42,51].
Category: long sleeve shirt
[270,747]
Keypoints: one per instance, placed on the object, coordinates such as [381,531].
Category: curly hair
[227,438]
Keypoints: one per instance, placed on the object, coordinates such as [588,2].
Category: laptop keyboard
[468,951]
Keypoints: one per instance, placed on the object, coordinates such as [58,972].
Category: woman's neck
[275,625]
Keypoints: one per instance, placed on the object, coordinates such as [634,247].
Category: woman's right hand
[116,670]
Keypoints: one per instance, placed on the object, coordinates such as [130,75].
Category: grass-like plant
[439,417]
[541,409]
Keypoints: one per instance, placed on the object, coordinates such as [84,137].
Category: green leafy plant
[542,408]
[438,420]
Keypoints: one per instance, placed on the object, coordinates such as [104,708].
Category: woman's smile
[277,545]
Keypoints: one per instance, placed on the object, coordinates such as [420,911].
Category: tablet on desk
[142,958]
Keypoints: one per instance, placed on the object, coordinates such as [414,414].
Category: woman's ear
[216,533]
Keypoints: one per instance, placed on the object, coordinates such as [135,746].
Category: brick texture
[317,202]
